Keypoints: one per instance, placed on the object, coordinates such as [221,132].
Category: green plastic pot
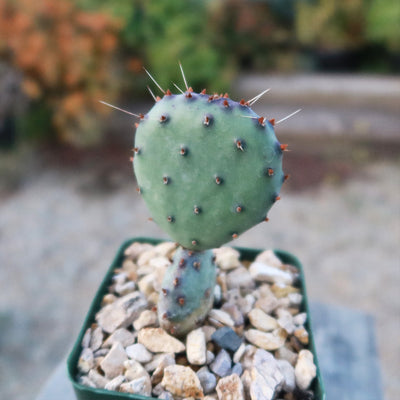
[87,393]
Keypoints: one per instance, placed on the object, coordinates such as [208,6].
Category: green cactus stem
[187,292]
[208,168]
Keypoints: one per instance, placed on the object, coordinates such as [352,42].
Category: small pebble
[207,379]
[182,381]
[196,347]
[237,369]
[146,318]
[139,353]
[113,362]
[265,273]
[122,336]
[96,339]
[230,388]
[140,386]
[86,360]
[305,369]
[262,321]
[165,361]
[222,363]
[99,380]
[221,316]
[267,340]
[227,258]
[134,370]
[226,338]
[270,258]
[159,341]
[115,383]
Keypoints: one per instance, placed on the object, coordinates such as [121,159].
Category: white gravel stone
[139,353]
[289,379]
[122,312]
[122,336]
[300,319]
[230,388]
[285,320]
[208,331]
[86,338]
[146,318]
[286,354]
[239,353]
[134,370]
[305,369]
[227,258]
[158,341]
[96,339]
[146,284]
[221,316]
[140,386]
[270,258]
[136,249]
[145,257]
[267,340]
[266,273]
[112,364]
[125,288]
[262,321]
[165,361]
[165,249]
[99,380]
[196,347]
[266,377]
[115,383]
[86,360]
[295,299]
[240,278]
[182,381]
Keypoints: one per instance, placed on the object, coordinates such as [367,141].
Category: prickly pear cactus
[187,291]
[208,168]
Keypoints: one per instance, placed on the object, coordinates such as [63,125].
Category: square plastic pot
[87,393]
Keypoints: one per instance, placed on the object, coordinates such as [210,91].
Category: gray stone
[226,338]
[125,288]
[86,338]
[210,357]
[237,369]
[207,379]
[222,363]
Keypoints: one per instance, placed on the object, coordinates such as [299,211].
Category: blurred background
[67,191]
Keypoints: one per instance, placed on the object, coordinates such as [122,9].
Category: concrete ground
[60,226]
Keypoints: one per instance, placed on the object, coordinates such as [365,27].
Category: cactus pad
[187,291]
[208,167]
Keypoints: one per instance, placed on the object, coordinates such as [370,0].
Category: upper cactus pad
[208,168]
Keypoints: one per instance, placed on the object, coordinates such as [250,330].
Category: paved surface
[346,350]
